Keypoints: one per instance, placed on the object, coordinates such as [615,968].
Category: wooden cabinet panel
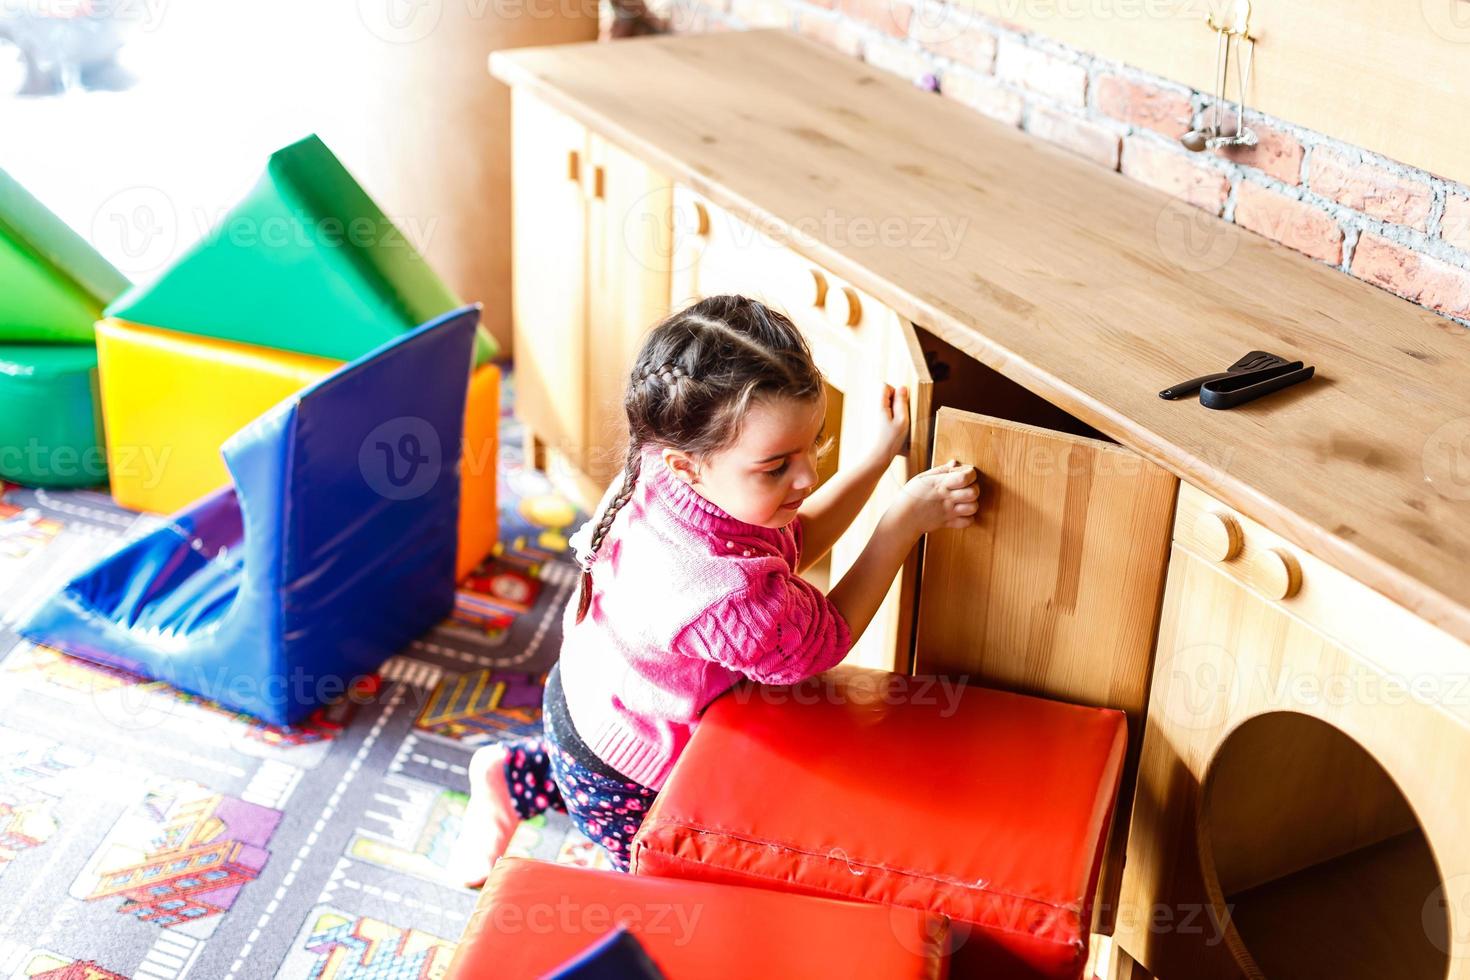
[549,273]
[1055,590]
[1294,793]
[630,220]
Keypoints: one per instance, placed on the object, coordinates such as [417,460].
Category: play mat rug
[148,833]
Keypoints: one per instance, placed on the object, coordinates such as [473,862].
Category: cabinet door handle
[817,287]
[1275,573]
[692,218]
[843,306]
[574,166]
[598,182]
[1217,535]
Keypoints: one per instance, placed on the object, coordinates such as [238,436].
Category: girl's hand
[945,496]
[893,408]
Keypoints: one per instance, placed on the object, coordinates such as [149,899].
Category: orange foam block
[479,514]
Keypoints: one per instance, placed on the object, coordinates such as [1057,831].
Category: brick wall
[1397,227]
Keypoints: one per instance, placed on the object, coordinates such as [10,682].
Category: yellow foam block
[170,400]
[479,516]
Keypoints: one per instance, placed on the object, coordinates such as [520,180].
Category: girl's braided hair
[697,374]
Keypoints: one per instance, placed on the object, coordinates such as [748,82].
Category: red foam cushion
[534,916]
[987,806]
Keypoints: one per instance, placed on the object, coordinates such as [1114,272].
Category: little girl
[690,571]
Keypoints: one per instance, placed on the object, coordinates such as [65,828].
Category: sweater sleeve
[777,629]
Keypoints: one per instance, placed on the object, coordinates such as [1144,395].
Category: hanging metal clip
[1233,31]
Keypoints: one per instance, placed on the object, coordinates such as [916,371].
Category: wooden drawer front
[1299,584]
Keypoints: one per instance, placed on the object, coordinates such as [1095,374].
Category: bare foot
[490,819]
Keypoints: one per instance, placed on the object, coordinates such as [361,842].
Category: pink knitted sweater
[686,599]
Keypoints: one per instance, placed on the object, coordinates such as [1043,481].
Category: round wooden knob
[1275,574]
[843,306]
[694,218]
[1216,535]
[816,286]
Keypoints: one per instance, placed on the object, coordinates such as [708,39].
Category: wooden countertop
[1075,282]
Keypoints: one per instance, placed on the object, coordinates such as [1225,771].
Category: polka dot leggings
[543,776]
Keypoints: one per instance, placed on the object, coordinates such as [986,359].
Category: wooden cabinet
[1300,729]
[858,344]
[1296,814]
[1055,590]
[591,230]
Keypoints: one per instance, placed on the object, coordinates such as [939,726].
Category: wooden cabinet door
[1055,589]
[880,347]
[630,222]
[549,273]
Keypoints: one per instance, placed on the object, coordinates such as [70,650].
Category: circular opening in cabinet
[1314,862]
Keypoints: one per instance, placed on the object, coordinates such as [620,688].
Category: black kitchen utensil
[1256,360]
[1236,389]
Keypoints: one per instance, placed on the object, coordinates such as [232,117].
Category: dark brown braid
[698,373]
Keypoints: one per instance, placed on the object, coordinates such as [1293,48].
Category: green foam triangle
[306,262]
[55,283]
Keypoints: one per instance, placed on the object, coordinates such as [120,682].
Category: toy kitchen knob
[1275,573]
[844,308]
[693,219]
[1217,535]
[816,288]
